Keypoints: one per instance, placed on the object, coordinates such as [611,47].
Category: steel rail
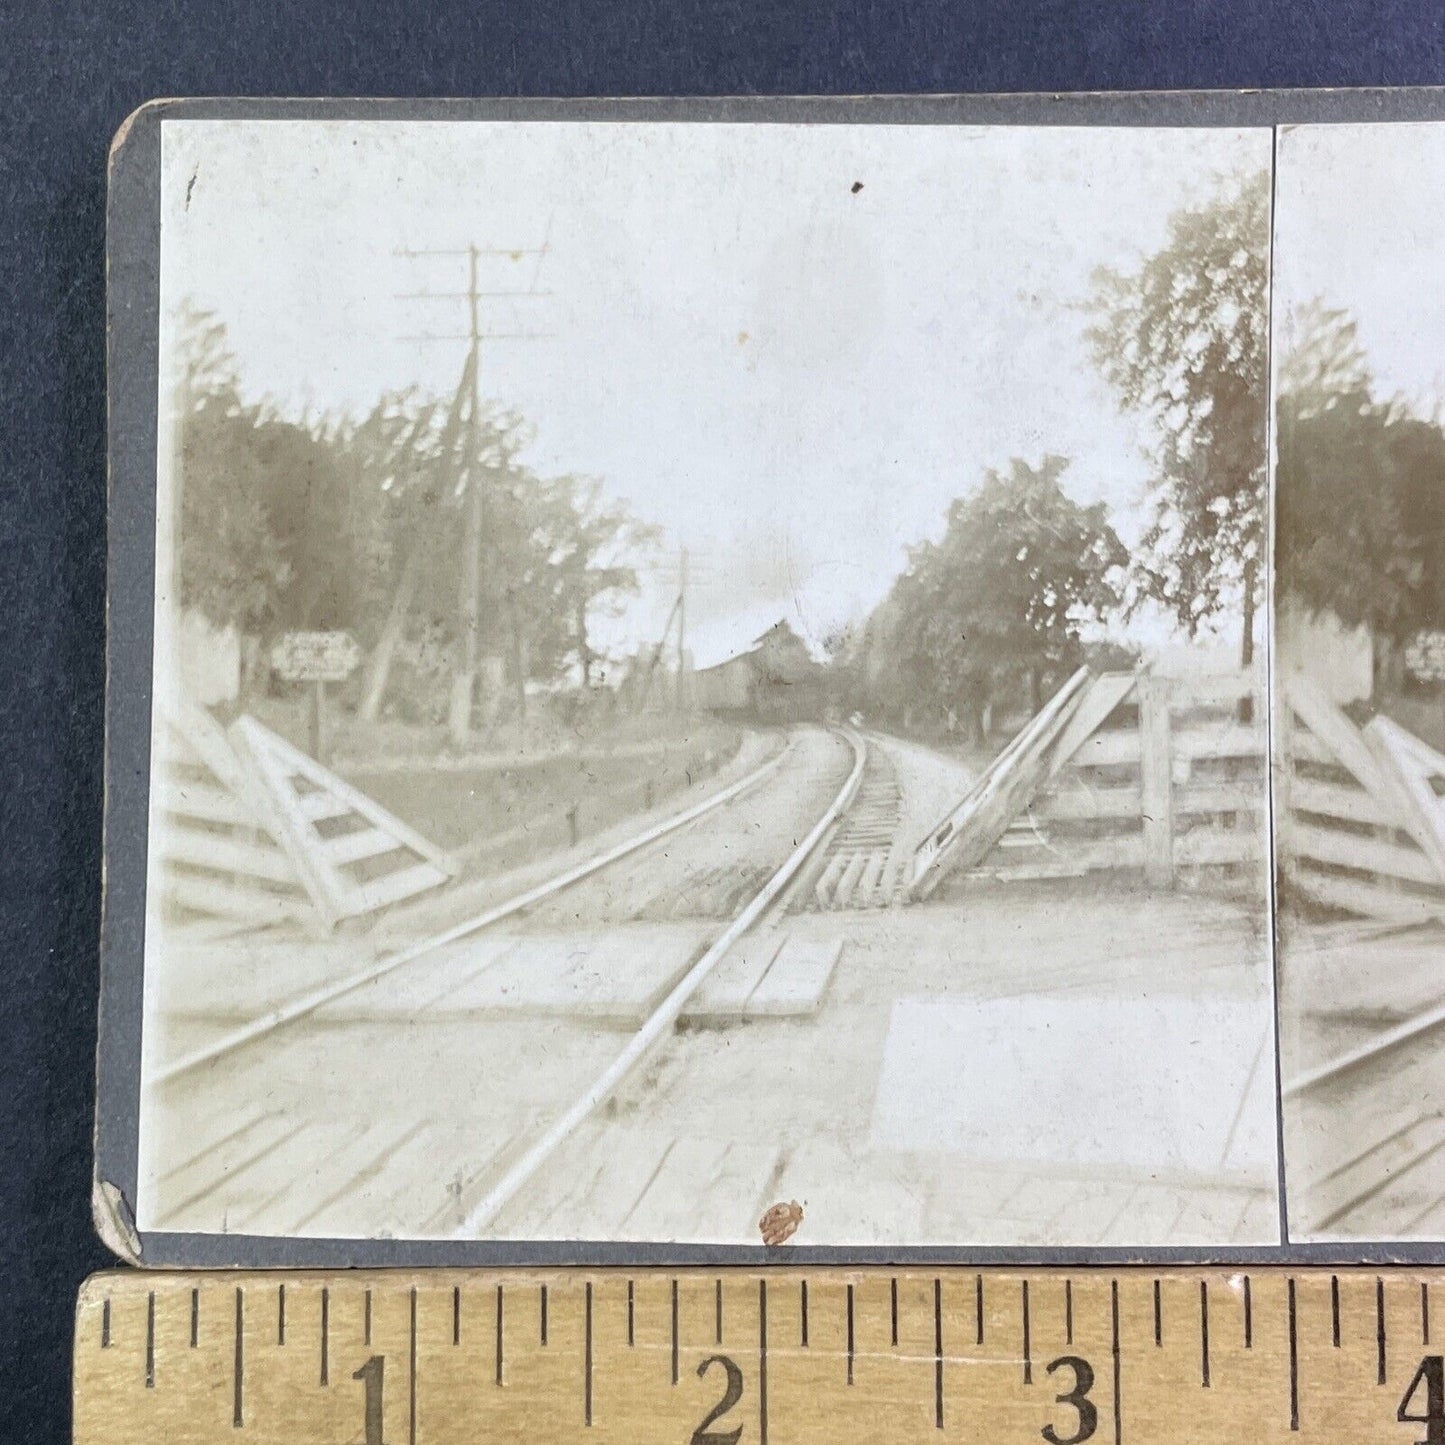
[666,1014]
[308,1003]
[1367,1053]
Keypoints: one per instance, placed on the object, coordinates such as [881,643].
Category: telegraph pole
[681,630]
[472,475]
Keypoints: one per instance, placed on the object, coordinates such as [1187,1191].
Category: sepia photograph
[1359,632]
[710,684]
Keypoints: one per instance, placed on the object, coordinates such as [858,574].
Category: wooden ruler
[770,1357]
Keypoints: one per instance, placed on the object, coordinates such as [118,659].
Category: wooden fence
[1124,772]
[1166,779]
[250,832]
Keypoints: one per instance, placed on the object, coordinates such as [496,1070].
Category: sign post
[317,658]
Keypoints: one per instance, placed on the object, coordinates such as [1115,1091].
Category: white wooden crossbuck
[252,832]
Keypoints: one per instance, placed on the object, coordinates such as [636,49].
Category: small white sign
[315,656]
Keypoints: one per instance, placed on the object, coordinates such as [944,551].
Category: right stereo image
[1359,677]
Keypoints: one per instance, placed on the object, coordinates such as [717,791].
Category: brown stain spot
[742,338]
[781,1222]
[856,187]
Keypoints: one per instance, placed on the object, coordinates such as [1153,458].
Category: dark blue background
[69,73]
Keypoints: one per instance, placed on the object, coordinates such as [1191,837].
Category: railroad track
[531,1139]
[861,864]
[1384,1100]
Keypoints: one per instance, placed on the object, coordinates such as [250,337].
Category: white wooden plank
[1370,900]
[365,843]
[704,1190]
[391,888]
[222,899]
[724,993]
[1351,850]
[204,801]
[1335,800]
[794,985]
[1231,740]
[228,855]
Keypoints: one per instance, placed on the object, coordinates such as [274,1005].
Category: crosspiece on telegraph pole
[469,598]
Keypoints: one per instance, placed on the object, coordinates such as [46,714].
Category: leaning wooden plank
[794,986]
[1112,748]
[270,786]
[1416,767]
[1350,751]
[1105,694]
[297,764]
[968,833]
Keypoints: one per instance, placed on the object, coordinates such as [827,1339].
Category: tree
[1183,339]
[1360,488]
[1005,595]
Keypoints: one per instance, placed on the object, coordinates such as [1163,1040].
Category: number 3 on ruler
[1078,1397]
[1432,1375]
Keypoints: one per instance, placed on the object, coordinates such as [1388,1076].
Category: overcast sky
[1359,211]
[792,375]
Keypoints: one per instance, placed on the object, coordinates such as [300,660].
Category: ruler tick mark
[281,1315]
[1248,1316]
[1068,1312]
[1294,1361]
[803,1310]
[151,1340]
[195,1318]
[938,1344]
[1204,1332]
[1424,1312]
[850,1334]
[893,1310]
[105,1325]
[717,1310]
[499,1334]
[411,1375]
[587,1360]
[762,1360]
[1028,1345]
[456,1314]
[674,1332]
[630,1337]
[977,1305]
[1335,1308]
[367,1327]
[1118,1371]
[1158,1317]
[326,1336]
[544,1313]
[1380,1330]
[238,1368]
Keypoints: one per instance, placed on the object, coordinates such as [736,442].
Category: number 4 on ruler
[1431,1375]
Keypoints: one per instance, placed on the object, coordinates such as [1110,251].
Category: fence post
[1155,789]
